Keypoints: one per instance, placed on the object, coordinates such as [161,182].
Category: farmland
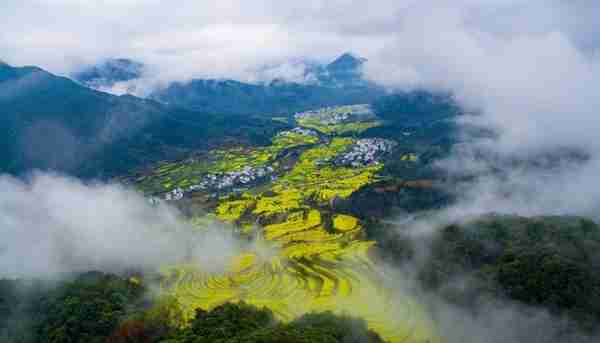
[280,196]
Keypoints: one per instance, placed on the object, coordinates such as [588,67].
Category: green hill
[52,123]
[549,262]
[337,83]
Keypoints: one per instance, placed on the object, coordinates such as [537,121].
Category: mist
[501,321]
[237,39]
[54,225]
[460,307]
[529,69]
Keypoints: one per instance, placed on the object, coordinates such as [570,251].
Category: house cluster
[154,201]
[300,131]
[337,115]
[326,116]
[366,151]
[221,181]
[174,195]
[244,177]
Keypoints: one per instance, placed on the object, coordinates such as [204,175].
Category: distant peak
[123,62]
[346,63]
[107,73]
[348,59]
[349,56]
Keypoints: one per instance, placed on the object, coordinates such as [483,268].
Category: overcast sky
[233,38]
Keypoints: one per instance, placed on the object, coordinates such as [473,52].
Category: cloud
[530,71]
[554,184]
[190,39]
[535,87]
[526,63]
[498,322]
[460,310]
[225,39]
[52,225]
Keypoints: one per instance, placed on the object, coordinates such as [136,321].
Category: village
[362,152]
[244,176]
[337,115]
[366,151]
[299,131]
[213,182]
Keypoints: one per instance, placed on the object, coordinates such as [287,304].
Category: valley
[299,172]
[307,256]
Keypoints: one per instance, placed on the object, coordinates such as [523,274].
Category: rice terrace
[310,258]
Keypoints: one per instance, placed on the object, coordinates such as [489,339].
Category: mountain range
[337,83]
[53,123]
[109,72]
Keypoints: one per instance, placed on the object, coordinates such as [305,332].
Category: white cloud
[535,88]
[532,74]
[52,225]
[183,40]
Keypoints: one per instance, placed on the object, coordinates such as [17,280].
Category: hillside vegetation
[547,262]
[104,308]
[52,123]
[282,195]
[337,83]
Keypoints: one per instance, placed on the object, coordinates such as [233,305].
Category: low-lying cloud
[498,322]
[52,225]
[530,71]
[530,67]
[533,85]
[236,39]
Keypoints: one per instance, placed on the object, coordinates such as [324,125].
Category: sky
[234,38]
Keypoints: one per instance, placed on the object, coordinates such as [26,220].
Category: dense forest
[99,307]
[546,262]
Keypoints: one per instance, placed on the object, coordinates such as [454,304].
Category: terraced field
[311,258]
[303,278]
[186,175]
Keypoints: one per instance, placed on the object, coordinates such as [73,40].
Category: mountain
[51,122]
[109,72]
[276,98]
[343,71]
[346,63]
[546,261]
[337,83]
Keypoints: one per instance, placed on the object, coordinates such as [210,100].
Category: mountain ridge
[109,72]
[339,82]
[53,123]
